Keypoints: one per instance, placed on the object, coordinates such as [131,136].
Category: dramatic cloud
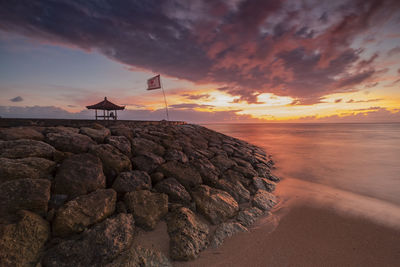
[302,49]
[196,97]
[17,99]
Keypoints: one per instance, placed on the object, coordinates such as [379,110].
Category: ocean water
[356,162]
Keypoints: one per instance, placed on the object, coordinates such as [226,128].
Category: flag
[154,83]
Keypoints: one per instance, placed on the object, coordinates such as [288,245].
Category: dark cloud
[251,46]
[364,101]
[338,100]
[189,106]
[196,97]
[394,51]
[17,99]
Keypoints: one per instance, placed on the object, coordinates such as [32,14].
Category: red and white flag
[154,83]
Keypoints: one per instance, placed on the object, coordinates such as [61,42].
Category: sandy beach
[309,236]
[310,228]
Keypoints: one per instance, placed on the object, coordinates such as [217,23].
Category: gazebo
[106,106]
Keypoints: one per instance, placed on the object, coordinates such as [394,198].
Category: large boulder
[97,135]
[24,148]
[175,155]
[15,133]
[184,173]
[207,170]
[79,175]
[216,205]
[70,142]
[225,230]
[234,176]
[22,239]
[264,200]
[11,169]
[222,162]
[188,235]
[142,146]
[83,211]
[147,207]
[61,130]
[235,189]
[247,172]
[147,162]
[113,160]
[96,246]
[175,191]
[248,216]
[264,184]
[131,181]
[120,142]
[138,256]
[25,194]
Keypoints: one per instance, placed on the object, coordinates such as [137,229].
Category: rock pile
[73,196]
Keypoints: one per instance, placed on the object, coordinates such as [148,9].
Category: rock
[22,239]
[96,246]
[273,178]
[15,133]
[142,146]
[79,175]
[147,207]
[171,144]
[139,256]
[225,230]
[25,194]
[188,235]
[120,142]
[264,184]
[25,148]
[147,162]
[61,130]
[216,205]
[235,189]
[70,142]
[156,177]
[207,170]
[113,160]
[175,155]
[131,181]
[175,191]
[243,163]
[83,211]
[247,172]
[248,216]
[222,162]
[11,169]
[262,170]
[234,176]
[122,130]
[184,173]
[97,135]
[264,200]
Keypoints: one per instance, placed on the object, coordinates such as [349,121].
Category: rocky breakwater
[76,196]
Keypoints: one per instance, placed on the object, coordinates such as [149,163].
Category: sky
[220,61]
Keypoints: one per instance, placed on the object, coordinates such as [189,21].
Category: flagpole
[165,100]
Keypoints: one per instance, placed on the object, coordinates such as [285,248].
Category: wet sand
[308,236]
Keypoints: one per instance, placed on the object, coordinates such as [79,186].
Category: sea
[354,167]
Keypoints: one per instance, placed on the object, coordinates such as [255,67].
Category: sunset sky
[220,61]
